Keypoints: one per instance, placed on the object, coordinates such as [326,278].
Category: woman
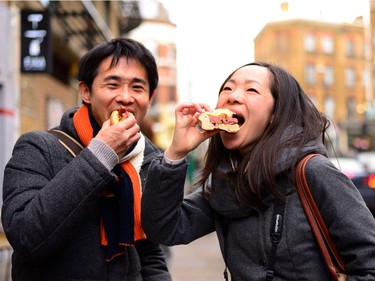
[250,173]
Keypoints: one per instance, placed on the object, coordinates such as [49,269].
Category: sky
[214,37]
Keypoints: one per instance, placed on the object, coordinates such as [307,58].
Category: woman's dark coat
[246,242]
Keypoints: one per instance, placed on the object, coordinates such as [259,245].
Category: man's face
[125,85]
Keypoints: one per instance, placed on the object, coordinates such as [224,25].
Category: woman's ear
[272,117]
[84,91]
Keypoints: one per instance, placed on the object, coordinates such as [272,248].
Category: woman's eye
[252,90]
[227,89]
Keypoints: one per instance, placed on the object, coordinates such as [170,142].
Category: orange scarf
[82,125]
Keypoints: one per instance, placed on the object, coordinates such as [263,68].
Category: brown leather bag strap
[331,256]
[68,142]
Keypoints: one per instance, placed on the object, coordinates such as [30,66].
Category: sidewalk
[200,260]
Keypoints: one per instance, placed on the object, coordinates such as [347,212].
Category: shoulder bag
[67,141]
[331,256]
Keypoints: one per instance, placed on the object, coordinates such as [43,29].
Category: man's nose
[125,93]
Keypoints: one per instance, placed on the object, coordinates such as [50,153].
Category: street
[200,260]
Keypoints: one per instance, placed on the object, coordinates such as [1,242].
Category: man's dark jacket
[51,214]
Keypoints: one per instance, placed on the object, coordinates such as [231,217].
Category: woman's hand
[186,135]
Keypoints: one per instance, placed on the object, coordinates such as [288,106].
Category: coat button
[262,263]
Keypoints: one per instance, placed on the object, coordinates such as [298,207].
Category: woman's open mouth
[240,119]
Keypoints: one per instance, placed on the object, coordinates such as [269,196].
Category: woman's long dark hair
[292,110]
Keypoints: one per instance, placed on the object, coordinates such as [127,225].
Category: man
[78,218]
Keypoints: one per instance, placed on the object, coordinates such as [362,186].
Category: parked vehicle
[368,159]
[360,176]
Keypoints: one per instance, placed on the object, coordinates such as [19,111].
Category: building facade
[329,60]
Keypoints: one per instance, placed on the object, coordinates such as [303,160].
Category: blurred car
[360,176]
[368,159]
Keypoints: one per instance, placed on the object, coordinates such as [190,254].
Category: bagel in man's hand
[219,119]
[117,115]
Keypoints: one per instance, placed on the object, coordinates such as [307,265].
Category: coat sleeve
[350,223]
[168,217]
[152,257]
[46,193]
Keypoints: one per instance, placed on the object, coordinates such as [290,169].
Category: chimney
[284,6]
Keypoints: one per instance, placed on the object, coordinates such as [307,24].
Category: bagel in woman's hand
[117,115]
[219,119]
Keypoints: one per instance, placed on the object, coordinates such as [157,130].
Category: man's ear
[84,91]
[151,99]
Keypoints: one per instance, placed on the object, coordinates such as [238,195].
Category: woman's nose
[235,96]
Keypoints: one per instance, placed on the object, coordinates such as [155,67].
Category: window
[351,109]
[328,78]
[350,77]
[167,52]
[172,94]
[327,44]
[329,106]
[172,52]
[309,42]
[366,78]
[55,110]
[153,47]
[282,41]
[310,74]
[350,48]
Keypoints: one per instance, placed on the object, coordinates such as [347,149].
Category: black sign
[36,47]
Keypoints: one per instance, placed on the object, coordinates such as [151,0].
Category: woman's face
[248,94]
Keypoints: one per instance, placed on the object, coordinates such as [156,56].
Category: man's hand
[120,136]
